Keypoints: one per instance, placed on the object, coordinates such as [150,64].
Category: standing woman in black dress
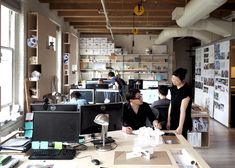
[179,114]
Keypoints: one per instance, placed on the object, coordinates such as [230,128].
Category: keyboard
[52,154]
[100,141]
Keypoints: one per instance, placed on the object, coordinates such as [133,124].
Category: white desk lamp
[103,120]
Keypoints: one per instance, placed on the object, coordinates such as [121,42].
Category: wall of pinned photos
[212,66]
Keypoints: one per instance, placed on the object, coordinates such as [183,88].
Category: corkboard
[158,158]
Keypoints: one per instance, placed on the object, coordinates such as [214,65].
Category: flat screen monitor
[91,85]
[87,94]
[107,96]
[107,81]
[135,84]
[53,107]
[57,126]
[97,86]
[89,112]
[91,81]
[150,84]
[96,79]
[151,95]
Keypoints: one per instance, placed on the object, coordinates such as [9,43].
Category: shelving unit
[34,69]
[70,58]
[145,66]
[200,135]
[129,66]
[66,43]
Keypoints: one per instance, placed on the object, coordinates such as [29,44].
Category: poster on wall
[198,77]
[221,93]
[204,77]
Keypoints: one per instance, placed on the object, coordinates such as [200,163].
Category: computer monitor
[87,94]
[107,96]
[57,126]
[89,112]
[91,82]
[151,95]
[97,86]
[135,84]
[150,84]
[53,107]
[96,79]
[91,85]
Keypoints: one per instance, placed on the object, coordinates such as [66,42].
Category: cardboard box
[159,49]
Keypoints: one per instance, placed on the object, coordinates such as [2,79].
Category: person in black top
[136,112]
[179,115]
[162,106]
[116,80]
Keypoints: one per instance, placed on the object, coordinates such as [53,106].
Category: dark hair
[163,90]
[76,94]
[131,94]
[111,74]
[180,73]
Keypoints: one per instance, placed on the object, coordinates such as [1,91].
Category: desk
[125,143]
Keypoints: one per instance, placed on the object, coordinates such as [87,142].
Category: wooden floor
[221,152]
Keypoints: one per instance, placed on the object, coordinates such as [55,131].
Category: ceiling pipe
[194,11]
[217,26]
[165,35]
[108,26]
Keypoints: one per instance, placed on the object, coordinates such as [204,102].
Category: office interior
[51,48]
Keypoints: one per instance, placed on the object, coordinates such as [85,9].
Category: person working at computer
[136,112]
[179,114]
[76,99]
[162,106]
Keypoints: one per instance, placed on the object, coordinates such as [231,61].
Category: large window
[8,109]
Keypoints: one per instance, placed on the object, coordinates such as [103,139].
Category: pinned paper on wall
[58,145]
[44,145]
[28,133]
[35,145]
[28,125]
[29,116]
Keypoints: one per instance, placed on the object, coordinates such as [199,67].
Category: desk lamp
[103,120]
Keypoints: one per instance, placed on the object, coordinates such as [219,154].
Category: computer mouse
[95,161]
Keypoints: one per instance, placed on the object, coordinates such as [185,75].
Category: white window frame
[12,117]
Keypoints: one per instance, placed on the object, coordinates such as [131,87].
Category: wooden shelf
[32,54]
[201,123]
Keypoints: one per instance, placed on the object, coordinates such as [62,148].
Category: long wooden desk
[125,143]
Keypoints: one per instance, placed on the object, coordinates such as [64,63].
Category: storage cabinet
[200,135]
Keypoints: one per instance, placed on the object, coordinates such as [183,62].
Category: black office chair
[162,115]
[156,113]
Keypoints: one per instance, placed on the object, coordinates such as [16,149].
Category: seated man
[136,112]
[162,106]
[76,99]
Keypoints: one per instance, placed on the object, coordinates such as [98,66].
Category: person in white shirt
[76,99]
